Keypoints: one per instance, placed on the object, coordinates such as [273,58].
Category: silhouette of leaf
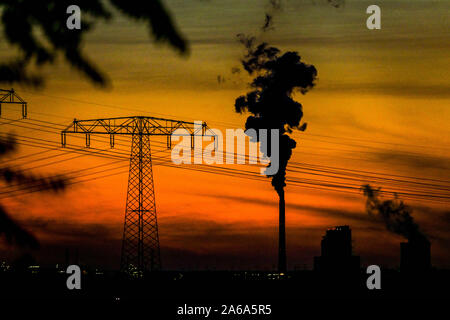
[42,183]
[160,22]
[13,232]
[38,29]
[7,145]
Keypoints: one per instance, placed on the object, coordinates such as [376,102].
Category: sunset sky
[381,105]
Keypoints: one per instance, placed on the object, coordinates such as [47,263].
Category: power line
[100,150]
[291,162]
[234,125]
[127,155]
[307,184]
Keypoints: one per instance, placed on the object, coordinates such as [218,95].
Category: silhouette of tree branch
[14,233]
[7,145]
[11,230]
[38,29]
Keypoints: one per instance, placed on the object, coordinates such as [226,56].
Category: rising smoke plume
[274,6]
[277,77]
[394,214]
[336,3]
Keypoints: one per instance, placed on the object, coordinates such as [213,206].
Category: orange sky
[381,104]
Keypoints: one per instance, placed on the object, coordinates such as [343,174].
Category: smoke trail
[274,6]
[267,22]
[336,3]
[395,215]
[270,103]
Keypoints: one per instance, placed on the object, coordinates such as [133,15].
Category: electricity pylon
[10,96]
[140,245]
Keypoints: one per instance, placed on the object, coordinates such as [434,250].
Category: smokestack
[282,263]
[272,107]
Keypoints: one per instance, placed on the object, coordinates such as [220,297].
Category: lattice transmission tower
[140,245]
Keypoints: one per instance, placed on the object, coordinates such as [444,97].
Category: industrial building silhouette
[336,252]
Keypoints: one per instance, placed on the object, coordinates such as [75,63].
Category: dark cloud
[436,222]
[436,91]
[329,212]
[207,244]
[198,243]
[71,230]
[15,233]
[93,244]
[185,243]
[419,161]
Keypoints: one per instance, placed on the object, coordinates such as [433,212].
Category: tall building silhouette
[336,251]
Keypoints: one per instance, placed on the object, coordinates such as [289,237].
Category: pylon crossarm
[10,97]
[132,125]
